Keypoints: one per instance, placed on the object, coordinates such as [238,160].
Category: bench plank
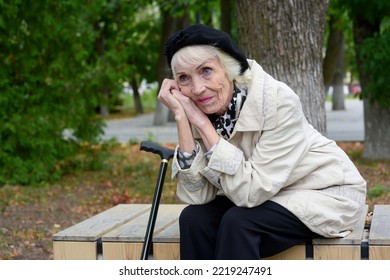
[379,236]
[96,226]
[75,250]
[126,241]
[346,248]
[166,243]
[79,242]
[166,251]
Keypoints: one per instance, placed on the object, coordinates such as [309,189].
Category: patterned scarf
[225,123]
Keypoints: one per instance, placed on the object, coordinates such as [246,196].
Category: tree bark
[286,38]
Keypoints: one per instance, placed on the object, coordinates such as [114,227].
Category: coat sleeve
[193,187]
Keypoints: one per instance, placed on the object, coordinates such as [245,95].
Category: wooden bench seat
[118,233]
[126,241]
[379,236]
[81,241]
[346,248]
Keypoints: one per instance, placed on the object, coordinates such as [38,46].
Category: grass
[126,109]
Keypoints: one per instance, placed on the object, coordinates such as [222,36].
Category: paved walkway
[341,125]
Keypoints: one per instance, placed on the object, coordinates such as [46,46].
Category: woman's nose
[198,86]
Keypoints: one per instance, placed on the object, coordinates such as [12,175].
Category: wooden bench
[346,248]
[379,236]
[118,233]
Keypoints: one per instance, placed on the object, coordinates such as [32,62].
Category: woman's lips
[204,99]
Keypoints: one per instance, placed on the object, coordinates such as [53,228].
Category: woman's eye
[183,79]
[206,71]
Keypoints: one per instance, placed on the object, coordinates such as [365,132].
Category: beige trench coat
[275,154]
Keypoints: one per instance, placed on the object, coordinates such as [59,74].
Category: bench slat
[134,231]
[96,226]
[69,250]
[379,236]
[170,234]
[126,242]
[380,226]
[346,248]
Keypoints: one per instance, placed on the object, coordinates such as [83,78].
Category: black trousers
[220,230]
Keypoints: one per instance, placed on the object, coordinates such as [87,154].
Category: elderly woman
[257,176]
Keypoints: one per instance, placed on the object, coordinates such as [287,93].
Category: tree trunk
[376,118]
[286,38]
[137,97]
[338,98]
[99,46]
[335,38]
[377,132]
[162,112]
[170,25]
[103,108]
[226,9]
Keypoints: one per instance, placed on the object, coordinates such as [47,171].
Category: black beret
[200,34]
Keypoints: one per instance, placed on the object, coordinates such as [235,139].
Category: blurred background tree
[61,62]
[371,33]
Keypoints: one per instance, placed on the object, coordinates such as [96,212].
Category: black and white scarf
[225,123]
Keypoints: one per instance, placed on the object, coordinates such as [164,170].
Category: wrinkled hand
[166,97]
[187,112]
[181,105]
[194,114]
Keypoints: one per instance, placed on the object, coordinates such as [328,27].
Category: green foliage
[377,191]
[90,158]
[375,54]
[60,60]
[371,10]
[374,51]
[40,94]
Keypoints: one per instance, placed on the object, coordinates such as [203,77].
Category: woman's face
[207,84]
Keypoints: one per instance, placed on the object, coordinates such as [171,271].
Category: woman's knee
[236,217]
[192,216]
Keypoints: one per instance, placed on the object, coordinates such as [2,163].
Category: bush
[375,54]
[43,86]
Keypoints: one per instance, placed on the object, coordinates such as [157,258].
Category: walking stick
[165,154]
